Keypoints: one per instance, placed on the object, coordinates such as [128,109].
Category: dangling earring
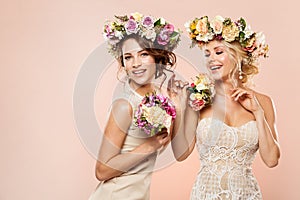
[240,73]
[159,70]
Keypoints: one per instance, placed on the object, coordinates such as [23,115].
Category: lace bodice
[226,155]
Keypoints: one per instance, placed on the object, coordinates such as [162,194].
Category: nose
[136,62]
[210,59]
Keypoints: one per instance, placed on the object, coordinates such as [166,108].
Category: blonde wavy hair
[243,62]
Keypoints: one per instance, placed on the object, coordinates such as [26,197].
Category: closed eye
[206,53]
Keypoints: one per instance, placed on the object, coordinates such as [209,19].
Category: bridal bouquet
[154,113]
[202,92]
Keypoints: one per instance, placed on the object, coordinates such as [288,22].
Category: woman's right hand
[177,90]
[159,140]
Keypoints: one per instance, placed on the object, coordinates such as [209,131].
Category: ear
[159,70]
[120,61]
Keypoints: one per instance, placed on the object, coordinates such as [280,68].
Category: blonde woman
[240,120]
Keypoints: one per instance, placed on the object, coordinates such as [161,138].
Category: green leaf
[227,21]
[243,23]
[191,89]
[157,23]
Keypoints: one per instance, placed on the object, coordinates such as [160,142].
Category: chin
[216,77]
[140,82]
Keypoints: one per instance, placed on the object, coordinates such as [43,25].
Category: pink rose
[131,27]
[109,32]
[163,38]
[148,22]
[197,104]
[169,28]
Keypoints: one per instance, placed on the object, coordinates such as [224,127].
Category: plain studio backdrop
[43,47]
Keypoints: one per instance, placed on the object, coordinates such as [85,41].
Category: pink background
[42,46]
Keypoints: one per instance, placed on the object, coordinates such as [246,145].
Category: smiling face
[139,64]
[218,60]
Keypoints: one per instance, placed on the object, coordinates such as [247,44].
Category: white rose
[119,34]
[149,34]
[187,26]
[137,16]
[168,121]
[260,38]
[200,86]
[205,38]
[217,24]
[154,115]
[248,32]
[162,21]
[192,96]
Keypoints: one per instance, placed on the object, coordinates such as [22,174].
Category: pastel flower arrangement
[201,30]
[157,30]
[202,92]
[154,113]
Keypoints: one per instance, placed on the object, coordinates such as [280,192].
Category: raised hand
[177,91]
[246,98]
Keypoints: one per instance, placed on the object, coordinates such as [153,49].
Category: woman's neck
[143,89]
[224,88]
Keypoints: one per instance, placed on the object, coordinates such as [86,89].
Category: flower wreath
[201,30]
[160,32]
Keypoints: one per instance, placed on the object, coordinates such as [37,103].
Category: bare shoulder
[267,104]
[120,115]
[264,99]
[122,106]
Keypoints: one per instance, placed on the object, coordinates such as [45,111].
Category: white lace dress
[226,155]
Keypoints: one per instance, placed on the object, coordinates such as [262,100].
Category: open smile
[139,72]
[215,67]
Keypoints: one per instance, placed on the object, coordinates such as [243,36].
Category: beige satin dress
[134,184]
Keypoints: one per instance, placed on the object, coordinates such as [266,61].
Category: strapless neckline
[226,154]
[225,124]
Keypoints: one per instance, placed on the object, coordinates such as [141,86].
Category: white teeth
[139,71]
[215,67]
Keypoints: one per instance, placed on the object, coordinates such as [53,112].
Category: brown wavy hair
[164,59]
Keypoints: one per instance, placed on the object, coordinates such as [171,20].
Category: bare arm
[264,112]
[112,162]
[185,124]
[184,137]
[268,136]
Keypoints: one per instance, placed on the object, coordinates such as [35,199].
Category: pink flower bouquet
[154,113]
[202,92]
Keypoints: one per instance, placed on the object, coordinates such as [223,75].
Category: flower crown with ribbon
[201,31]
[156,30]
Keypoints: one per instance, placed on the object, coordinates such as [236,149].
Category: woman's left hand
[246,98]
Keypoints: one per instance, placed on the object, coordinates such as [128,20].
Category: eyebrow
[215,48]
[137,52]
[221,46]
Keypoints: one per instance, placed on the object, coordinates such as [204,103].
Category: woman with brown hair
[143,46]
